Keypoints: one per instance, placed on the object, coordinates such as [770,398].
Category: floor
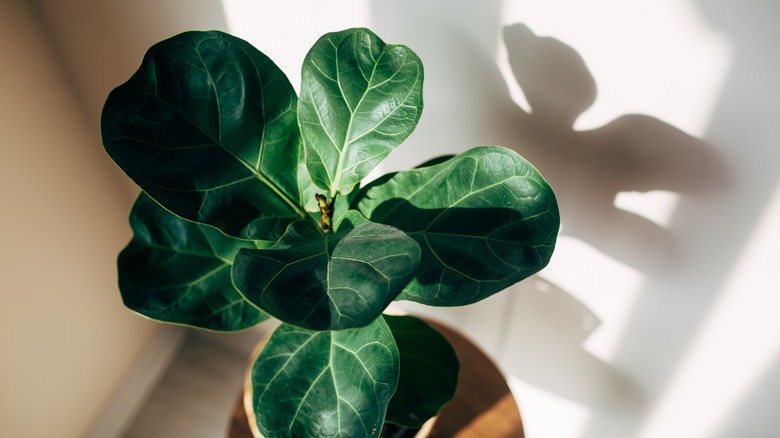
[196,395]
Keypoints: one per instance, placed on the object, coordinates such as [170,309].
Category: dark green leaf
[207,127]
[359,99]
[179,272]
[429,371]
[485,219]
[331,383]
[329,281]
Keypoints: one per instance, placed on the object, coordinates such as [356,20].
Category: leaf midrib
[347,141]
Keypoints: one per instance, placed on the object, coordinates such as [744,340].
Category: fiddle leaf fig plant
[252,208]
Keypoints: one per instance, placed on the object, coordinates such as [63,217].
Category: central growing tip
[326,212]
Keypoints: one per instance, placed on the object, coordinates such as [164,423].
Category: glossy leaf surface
[429,371]
[179,272]
[329,281]
[207,127]
[330,383]
[360,98]
[485,219]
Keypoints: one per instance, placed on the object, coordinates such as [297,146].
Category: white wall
[655,121]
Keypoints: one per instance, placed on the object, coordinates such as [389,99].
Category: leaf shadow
[549,327]
[588,169]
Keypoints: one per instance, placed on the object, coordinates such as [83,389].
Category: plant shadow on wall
[544,348]
[546,326]
[590,168]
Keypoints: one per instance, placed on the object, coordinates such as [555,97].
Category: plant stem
[326,212]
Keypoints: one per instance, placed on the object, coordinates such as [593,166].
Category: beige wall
[67,341]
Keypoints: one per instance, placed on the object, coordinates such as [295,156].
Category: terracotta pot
[483,405]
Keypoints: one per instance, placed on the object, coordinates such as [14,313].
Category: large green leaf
[207,127]
[485,219]
[329,281]
[324,384]
[360,98]
[179,272]
[429,371]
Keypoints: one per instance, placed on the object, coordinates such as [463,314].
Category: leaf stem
[326,212]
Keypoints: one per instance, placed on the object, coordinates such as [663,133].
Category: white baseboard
[155,360]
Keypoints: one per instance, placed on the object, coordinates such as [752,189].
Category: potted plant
[252,208]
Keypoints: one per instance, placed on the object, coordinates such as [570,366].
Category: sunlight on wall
[652,58]
[610,297]
[644,72]
[655,58]
[656,205]
[286,42]
[729,354]
[543,414]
